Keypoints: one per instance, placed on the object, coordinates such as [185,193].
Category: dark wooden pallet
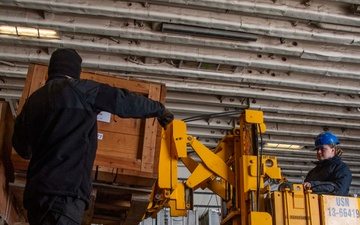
[110,204]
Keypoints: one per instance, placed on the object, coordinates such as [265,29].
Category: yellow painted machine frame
[237,172]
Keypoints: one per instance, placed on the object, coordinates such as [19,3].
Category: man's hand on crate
[166,118]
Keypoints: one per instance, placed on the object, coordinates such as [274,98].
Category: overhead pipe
[10,94]
[13,70]
[284,10]
[337,27]
[207,32]
[306,109]
[12,83]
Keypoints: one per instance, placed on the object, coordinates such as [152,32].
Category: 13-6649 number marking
[343,212]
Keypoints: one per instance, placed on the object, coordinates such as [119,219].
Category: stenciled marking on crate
[341,210]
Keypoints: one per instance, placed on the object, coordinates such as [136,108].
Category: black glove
[166,118]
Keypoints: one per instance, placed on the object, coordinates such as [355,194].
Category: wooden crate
[9,210]
[128,149]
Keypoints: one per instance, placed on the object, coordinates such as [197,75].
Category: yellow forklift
[238,172]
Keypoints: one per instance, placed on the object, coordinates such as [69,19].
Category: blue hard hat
[326,138]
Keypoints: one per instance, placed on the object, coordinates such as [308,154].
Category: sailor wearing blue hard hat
[330,175]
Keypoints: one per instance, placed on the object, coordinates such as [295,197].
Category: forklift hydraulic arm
[219,170]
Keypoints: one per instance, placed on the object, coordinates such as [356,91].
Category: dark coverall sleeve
[20,140]
[126,104]
[340,181]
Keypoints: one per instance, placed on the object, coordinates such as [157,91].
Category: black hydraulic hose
[254,140]
[326,184]
[213,115]
[260,168]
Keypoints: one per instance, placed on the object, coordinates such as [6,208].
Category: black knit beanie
[65,61]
